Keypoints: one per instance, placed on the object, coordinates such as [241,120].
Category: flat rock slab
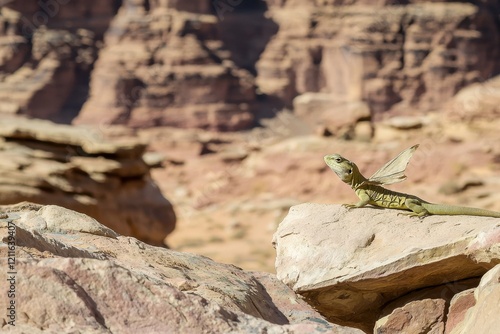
[349,263]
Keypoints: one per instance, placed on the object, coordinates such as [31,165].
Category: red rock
[459,305]
[419,316]
[181,77]
[189,64]
[391,57]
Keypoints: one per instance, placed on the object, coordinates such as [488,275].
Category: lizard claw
[411,214]
[349,206]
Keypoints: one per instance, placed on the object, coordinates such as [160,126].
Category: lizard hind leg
[417,209]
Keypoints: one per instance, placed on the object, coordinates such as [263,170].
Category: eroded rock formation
[48,50]
[396,58]
[168,66]
[220,65]
[77,168]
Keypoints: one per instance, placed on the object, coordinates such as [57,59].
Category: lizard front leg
[416,207]
[364,199]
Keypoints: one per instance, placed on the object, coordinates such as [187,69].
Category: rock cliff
[394,56]
[48,51]
[168,66]
[219,65]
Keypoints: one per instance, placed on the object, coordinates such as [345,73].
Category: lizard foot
[412,214]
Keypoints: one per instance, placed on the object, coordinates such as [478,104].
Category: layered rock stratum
[222,66]
[80,169]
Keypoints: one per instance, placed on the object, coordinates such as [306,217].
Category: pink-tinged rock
[167,67]
[338,116]
[48,50]
[422,311]
[483,316]
[349,263]
[459,306]
[75,275]
[419,316]
[393,57]
[479,100]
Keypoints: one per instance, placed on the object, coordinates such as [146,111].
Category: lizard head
[344,168]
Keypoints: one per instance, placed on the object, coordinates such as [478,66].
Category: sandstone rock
[181,77]
[48,50]
[477,101]
[340,117]
[393,57]
[84,280]
[424,310]
[63,14]
[43,85]
[406,122]
[415,317]
[480,318]
[347,264]
[197,65]
[459,305]
[78,168]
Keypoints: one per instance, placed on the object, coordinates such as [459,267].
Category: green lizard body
[379,196]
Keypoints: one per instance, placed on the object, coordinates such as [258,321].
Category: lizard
[370,191]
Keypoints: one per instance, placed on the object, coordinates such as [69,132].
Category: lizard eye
[338,160]
[350,171]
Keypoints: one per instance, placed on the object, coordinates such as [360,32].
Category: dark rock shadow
[244,30]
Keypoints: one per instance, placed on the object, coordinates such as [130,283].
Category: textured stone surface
[91,280]
[48,50]
[337,116]
[391,57]
[220,65]
[347,264]
[78,168]
[63,14]
[424,310]
[459,305]
[182,76]
[477,101]
[482,317]
[47,80]
[415,317]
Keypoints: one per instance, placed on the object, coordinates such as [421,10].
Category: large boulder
[73,274]
[362,265]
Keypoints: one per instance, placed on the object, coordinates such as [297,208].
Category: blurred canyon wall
[223,64]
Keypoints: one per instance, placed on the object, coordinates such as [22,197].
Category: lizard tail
[444,209]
